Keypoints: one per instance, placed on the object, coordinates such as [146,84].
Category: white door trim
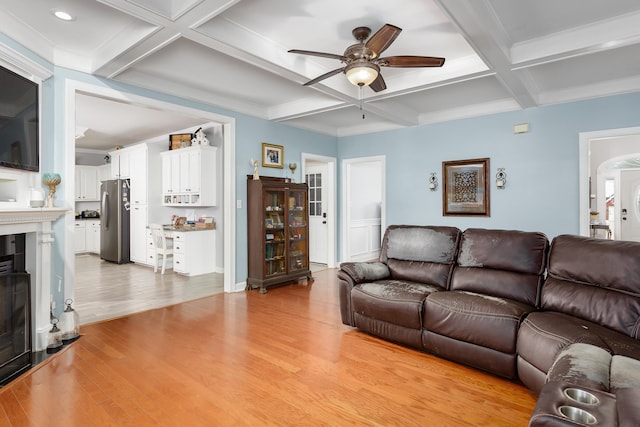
[229,214]
[345,198]
[331,198]
[583,169]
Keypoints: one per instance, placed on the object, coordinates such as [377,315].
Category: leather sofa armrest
[349,275]
[361,272]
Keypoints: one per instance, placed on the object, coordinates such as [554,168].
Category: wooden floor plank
[281,358]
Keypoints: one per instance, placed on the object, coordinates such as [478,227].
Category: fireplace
[33,255]
[15,308]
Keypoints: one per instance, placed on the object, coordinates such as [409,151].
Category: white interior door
[318,230]
[629,205]
[364,198]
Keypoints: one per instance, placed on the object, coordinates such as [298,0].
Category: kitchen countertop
[168,227]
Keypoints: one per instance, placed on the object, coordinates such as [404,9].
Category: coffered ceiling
[501,55]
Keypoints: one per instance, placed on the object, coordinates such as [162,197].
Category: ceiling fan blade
[410,61]
[324,76]
[321,54]
[378,84]
[382,39]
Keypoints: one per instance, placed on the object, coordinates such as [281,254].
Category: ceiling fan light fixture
[362,73]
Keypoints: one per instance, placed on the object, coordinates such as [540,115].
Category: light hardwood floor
[251,359]
[105,290]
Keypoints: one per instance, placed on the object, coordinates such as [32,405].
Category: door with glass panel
[318,230]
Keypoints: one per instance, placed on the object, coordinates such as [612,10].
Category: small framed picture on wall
[272,156]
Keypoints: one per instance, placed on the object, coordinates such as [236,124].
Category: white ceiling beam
[146,81]
[137,52]
[166,31]
[596,90]
[600,36]
[303,107]
[478,23]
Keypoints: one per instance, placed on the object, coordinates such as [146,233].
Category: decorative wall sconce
[293,167]
[433,182]
[501,179]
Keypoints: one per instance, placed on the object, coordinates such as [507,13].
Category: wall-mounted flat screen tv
[19,140]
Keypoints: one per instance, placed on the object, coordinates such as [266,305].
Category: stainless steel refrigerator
[114,222]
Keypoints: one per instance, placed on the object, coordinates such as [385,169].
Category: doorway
[364,207]
[228,229]
[602,155]
[319,172]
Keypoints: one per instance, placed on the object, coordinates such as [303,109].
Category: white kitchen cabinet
[86,236]
[189,176]
[104,174]
[120,163]
[138,236]
[194,252]
[80,236]
[92,230]
[138,174]
[87,183]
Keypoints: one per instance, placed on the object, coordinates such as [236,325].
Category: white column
[40,317]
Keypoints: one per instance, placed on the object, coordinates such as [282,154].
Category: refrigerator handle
[105,209]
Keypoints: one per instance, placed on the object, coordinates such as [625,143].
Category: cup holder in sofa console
[577,415]
[581,396]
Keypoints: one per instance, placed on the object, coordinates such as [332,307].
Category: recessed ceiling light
[61,14]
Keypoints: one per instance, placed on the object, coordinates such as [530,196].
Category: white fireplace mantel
[29,215]
[36,223]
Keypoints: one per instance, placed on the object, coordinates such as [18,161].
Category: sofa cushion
[510,250]
[583,365]
[483,320]
[399,302]
[543,335]
[501,263]
[616,310]
[424,254]
[596,280]
[625,373]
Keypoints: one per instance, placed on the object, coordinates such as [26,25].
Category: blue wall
[542,165]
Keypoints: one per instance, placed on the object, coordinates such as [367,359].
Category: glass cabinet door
[298,230]
[274,232]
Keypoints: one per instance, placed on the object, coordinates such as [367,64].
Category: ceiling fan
[362,60]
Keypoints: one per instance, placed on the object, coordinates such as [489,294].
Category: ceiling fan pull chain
[361,102]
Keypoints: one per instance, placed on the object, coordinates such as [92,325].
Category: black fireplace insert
[15,309]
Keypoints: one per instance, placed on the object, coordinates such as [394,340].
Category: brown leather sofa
[477,297]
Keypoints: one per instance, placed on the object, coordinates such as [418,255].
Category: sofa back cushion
[423,254]
[596,280]
[501,263]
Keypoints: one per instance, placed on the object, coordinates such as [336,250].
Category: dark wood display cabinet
[278,232]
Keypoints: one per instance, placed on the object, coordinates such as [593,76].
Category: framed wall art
[466,187]
[272,156]
[179,140]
